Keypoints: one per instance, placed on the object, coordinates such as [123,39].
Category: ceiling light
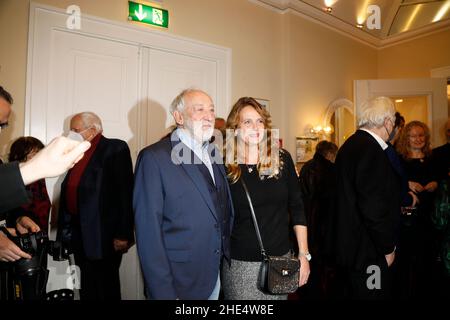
[360,26]
[442,11]
[329,3]
[329,9]
[362,11]
[412,17]
[398,100]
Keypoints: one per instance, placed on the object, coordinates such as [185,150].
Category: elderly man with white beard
[182,204]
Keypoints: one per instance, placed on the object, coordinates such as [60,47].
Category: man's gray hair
[374,111]
[90,119]
[179,102]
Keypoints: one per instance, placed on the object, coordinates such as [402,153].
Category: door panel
[92,74]
[98,75]
[170,73]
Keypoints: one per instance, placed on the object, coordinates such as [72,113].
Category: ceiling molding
[279,5]
[415,34]
[389,18]
[332,21]
[311,13]
[443,72]
[269,5]
[374,45]
[306,10]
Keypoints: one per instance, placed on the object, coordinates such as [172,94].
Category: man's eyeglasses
[3,125]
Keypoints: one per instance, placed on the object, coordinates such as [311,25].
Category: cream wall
[322,65]
[13,64]
[415,58]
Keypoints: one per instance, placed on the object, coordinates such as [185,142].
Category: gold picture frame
[264,102]
[305,147]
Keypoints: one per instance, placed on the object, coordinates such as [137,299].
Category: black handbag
[278,274]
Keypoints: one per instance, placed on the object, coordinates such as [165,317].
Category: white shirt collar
[380,141]
[192,143]
[199,149]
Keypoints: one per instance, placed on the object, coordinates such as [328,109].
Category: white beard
[195,128]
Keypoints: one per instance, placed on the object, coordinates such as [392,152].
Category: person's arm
[431,186]
[301,234]
[413,199]
[298,217]
[12,188]
[374,200]
[148,202]
[122,171]
[415,187]
[9,251]
[432,175]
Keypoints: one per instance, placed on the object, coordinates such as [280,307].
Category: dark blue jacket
[394,159]
[181,238]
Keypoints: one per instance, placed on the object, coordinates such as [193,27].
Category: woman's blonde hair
[266,163]
[402,145]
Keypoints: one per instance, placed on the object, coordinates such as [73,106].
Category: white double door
[130,87]
[128,84]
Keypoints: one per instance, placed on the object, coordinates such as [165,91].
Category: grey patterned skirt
[239,282]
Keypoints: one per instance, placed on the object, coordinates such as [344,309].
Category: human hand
[414,198]
[9,251]
[25,224]
[431,186]
[121,245]
[57,157]
[304,271]
[415,186]
[390,258]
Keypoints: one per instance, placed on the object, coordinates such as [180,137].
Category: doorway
[434,90]
[413,108]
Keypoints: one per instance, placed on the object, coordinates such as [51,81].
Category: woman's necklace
[419,156]
[250,167]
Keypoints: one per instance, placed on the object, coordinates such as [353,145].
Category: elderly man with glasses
[96,214]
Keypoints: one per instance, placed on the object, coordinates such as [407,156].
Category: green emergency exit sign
[148,14]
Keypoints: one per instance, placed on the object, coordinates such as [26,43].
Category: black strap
[5,231]
[255,222]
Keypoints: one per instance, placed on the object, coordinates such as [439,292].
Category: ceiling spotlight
[329,9]
[360,26]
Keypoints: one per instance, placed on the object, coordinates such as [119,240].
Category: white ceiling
[400,19]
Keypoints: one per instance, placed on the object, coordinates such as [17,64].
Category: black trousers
[360,283]
[99,277]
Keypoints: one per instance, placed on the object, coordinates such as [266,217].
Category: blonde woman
[270,176]
[417,249]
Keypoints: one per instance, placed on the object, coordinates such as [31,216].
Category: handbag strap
[255,222]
